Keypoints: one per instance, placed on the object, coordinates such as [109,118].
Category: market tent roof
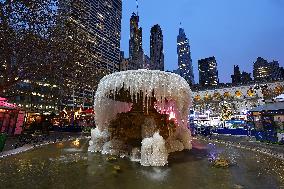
[89,111]
[3,99]
[7,108]
[269,107]
[280,97]
[5,105]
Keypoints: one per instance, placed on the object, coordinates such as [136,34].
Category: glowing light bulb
[172,115]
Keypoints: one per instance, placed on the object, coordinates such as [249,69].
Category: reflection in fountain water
[232,154]
[222,156]
[156,173]
[73,150]
[76,146]
[69,158]
[213,152]
[76,142]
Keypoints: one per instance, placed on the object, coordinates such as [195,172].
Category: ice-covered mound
[145,107]
[98,139]
[153,151]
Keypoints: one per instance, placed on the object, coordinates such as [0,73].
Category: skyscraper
[266,71]
[156,48]
[208,73]
[276,72]
[236,78]
[261,70]
[135,42]
[126,64]
[184,57]
[99,21]
[240,77]
[146,62]
[246,78]
[102,20]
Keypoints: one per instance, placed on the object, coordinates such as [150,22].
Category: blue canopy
[269,107]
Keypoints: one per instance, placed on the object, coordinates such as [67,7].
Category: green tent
[2,141]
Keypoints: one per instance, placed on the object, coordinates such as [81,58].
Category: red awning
[5,104]
[89,111]
[3,99]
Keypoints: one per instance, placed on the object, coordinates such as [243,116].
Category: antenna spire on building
[137,6]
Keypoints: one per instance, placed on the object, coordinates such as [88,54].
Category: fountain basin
[56,166]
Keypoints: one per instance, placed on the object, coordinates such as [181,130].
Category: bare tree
[42,40]
[24,32]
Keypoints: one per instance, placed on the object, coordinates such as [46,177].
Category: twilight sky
[234,31]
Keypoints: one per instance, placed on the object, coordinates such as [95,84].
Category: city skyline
[233,38]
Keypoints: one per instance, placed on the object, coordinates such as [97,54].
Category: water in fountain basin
[52,167]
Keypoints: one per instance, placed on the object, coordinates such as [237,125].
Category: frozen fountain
[142,114]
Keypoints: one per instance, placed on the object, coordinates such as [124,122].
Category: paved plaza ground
[249,143]
[13,142]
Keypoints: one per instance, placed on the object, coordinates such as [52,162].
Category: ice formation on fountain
[172,93]
[153,151]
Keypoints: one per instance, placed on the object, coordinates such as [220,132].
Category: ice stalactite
[164,85]
[180,140]
[115,147]
[108,109]
[135,155]
[98,139]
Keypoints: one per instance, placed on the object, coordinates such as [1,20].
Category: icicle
[147,101]
[144,96]
[164,92]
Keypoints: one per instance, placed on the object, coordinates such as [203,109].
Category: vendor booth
[11,118]
[74,120]
[269,121]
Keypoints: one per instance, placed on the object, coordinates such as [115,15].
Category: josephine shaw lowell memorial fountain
[143,115]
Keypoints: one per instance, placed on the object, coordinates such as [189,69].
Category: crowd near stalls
[269,121]
[236,125]
[74,120]
[65,121]
[14,120]
[38,123]
[264,122]
[11,120]
[31,127]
